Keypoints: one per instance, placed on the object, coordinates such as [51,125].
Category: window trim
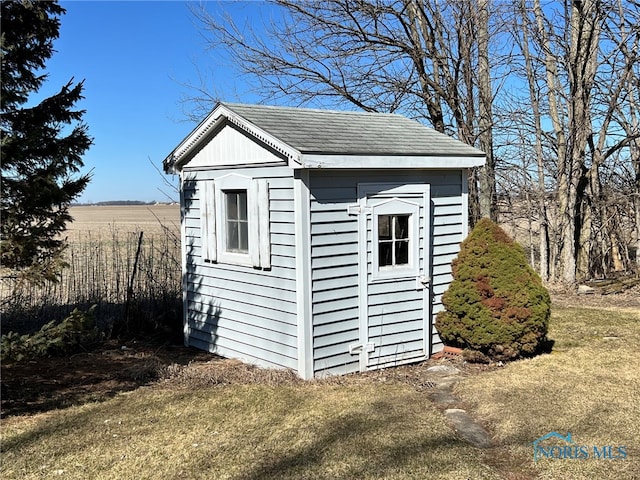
[223,185]
[393,240]
[396,206]
[213,221]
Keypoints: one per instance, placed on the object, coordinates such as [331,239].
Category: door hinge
[357,348]
[422,282]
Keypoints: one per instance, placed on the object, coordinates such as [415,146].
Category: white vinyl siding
[334,274]
[334,261]
[238,310]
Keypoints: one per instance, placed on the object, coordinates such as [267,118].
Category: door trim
[391,190]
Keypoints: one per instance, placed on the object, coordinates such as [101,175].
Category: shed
[319,241]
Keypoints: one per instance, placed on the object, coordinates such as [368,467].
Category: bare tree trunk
[474,205]
[616,255]
[583,51]
[592,212]
[563,260]
[485,122]
[543,241]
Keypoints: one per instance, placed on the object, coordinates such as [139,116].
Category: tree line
[550,91]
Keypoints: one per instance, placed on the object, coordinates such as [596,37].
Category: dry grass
[300,430]
[221,371]
[589,386]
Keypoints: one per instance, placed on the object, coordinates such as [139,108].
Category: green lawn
[357,427]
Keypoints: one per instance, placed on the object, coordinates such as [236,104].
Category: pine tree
[496,303]
[41,145]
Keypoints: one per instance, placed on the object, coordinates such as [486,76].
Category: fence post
[131,280]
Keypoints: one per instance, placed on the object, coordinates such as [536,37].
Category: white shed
[315,240]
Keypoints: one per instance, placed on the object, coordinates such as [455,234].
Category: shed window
[237,221]
[234,226]
[393,240]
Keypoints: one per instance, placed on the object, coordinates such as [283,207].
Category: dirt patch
[50,383]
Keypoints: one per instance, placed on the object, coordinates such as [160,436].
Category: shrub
[75,332]
[496,303]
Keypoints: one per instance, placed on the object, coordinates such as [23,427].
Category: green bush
[496,303]
[75,332]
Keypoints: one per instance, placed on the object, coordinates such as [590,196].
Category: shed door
[394,266]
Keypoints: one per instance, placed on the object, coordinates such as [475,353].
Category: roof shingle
[314,131]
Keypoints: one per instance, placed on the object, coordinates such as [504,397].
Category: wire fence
[133,278]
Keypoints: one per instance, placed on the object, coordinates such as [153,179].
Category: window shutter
[259,238]
[254,226]
[263,212]
[208,220]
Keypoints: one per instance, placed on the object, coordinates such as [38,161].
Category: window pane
[402,252]
[384,231]
[237,234]
[243,244]
[385,254]
[232,235]
[242,205]
[402,227]
[232,206]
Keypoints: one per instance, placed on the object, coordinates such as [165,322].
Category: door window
[395,231]
[393,240]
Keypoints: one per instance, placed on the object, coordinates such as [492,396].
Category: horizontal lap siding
[447,230]
[334,252]
[237,311]
[334,273]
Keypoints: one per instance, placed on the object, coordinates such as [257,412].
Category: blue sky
[135,58]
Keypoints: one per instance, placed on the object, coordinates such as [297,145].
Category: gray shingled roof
[350,133]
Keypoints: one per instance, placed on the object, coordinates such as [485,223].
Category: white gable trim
[231,146]
[389,161]
[210,125]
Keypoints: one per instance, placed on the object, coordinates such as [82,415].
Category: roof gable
[328,138]
[230,146]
